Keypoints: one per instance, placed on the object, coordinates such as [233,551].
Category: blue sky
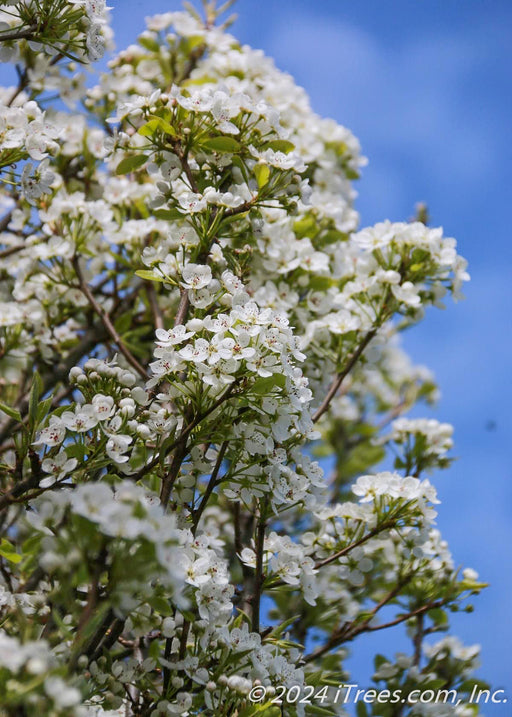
[426,85]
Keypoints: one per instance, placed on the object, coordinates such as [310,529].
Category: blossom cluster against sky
[425,86]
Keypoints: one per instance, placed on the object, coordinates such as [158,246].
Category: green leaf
[128,164]
[306,226]
[313,709]
[123,323]
[435,684]
[8,551]
[43,409]
[161,605]
[279,629]
[169,214]
[321,283]
[315,678]
[149,129]
[154,124]
[188,615]
[164,125]
[11,412]
[77,450]
[149,275]
[33,399]
[469,685]
[379,660]
[279,145]
[265,385]
[438,616]
[351,173]
[262,174]
[149,43]
[221,144]
[361,709]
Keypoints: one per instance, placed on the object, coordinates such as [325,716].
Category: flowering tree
[189,316]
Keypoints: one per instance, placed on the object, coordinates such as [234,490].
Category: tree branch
[209,488]
[418,639]
[181,314]
[18,34]
[259,577]
[337,638]
[105,319]
[155,308]
[340,377]
[375,531]
[190,427]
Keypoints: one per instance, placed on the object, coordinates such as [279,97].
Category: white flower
[198,352]
[196,276]
[181,705]
[103,406]
[172,337]
[192,202]
[59,466]
[438,435]
[223,109]
[370,486]
[406,293]
[95,41]
[36,183]
[280,160]
[342,322]
[116,446]
[171,168]
[375,237]
[53,434]
[82,419]
[96,8]
[62,694]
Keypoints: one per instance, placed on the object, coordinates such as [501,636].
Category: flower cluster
[182,263]
[127,520]
[447,660]
[84,20]
[423,441]
[438,436]
[30,669]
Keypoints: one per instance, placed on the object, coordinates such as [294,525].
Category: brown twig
[12,250]
[347,549]
[259,576]
[418,639]
[4,223]
[105,319]
[247,572]
[188,428]
[209,488]
[336,641]
[23,486]
[18,34]
[155,308]
[340,377]
[181,314]
[170,477]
